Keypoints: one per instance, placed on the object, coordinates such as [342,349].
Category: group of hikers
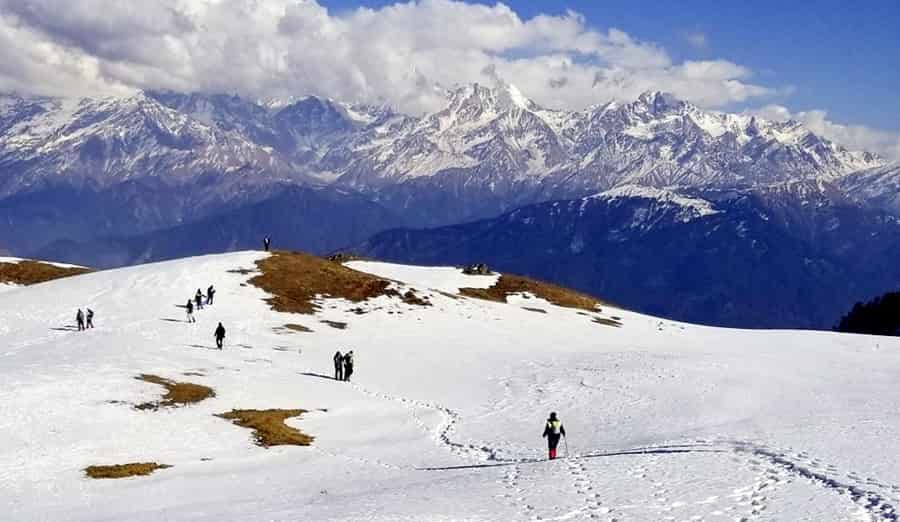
[84,320]
[343,365]
[197,302]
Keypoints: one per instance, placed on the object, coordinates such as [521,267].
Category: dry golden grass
[513,284]
[268,426]
[33,272]
[295,280]
[177,393]
[296,327]
[607,322]
[123,470]
[335,324]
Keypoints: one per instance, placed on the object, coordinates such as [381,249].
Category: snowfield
[666,421]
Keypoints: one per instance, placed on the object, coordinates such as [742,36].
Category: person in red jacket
[553,430]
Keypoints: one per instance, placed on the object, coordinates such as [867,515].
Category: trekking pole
[566,442]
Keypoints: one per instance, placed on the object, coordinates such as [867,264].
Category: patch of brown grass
[335,324]
[177,393]
[123,470]
[268,426]
[411,298]
[296,327]
[538,310]
[295,280]
[33,272]
[513,284]
[607,322]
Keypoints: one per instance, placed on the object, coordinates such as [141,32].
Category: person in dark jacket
[198,298]
[553,430]
[90,318]
[220,335]
[210,292]
[338,366]
[348,365]
[79,318]
[190,312]
[266,243]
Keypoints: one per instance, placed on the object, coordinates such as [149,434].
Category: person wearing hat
[553,430]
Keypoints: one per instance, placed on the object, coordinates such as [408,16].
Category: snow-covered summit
[695,207]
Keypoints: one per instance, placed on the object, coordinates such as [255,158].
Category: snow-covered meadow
[666,421]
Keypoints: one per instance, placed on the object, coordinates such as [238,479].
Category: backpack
[554,426]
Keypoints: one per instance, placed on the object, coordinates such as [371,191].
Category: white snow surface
[699,206]
[17,260]
[442,279]
[665,421]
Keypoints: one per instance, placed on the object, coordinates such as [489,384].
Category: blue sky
[843,57]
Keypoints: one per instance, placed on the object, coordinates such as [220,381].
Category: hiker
[338,366]
[552,431]
[266,243]
[190,312]
[198,297]
[210,292]
[220,335]
[348,365]
[90,318]
[79,318]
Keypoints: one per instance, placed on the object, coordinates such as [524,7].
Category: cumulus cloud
[858,137]
[401,54]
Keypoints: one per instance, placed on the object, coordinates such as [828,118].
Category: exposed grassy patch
[336,324]
[295,280]
[538,310]
[33,272]
[123,470]
[513,284]
[269,428]
[177,393]
[411,298]
[296,327]
[607,322]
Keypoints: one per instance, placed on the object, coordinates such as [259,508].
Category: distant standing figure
[220,335]
[553,430]
[266,243]
[79,318]
[210,292]
[338,366]
[198,297]
[348,365]
[90,318]
[190,312]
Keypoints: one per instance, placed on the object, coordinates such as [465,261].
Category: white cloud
[395,54]
[857,137]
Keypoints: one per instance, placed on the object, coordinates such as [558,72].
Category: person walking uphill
[90,318]
[79,318]
[552,432]
[338,366]
[267,242]
[190,312]
[198,298]
[220,335]
[210,292]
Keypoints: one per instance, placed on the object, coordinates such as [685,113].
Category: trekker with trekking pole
[553,430]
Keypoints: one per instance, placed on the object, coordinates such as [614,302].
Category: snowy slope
[665,420]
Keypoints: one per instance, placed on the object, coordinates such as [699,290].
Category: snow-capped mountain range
[492,139]
[159,174]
